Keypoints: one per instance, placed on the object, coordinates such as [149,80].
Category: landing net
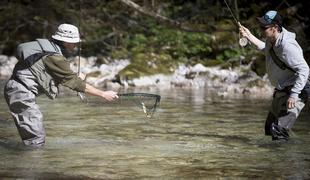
[147,102]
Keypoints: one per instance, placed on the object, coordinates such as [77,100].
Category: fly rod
[81,95]
[243,41]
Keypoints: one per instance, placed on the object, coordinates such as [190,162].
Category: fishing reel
[243,41]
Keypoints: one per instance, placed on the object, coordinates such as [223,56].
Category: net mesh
[147,102]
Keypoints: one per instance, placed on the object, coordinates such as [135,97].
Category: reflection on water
[192,135]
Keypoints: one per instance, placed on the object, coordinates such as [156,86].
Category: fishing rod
[81,95]
[243,41]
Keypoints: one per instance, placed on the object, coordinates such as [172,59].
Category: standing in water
[287,71]
[42,66]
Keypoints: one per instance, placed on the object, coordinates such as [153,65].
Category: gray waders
[20,93]
[30,79]
[280,119]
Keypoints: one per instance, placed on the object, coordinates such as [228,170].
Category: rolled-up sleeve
[59,68]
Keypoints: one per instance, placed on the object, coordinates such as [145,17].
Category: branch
[162,19]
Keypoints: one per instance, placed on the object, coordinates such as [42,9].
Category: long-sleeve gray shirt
[288,51]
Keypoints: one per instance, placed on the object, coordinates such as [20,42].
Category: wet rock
[225,82]
[159,80]
[6,66]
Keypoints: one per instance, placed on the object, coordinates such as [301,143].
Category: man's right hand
[109,95]
[245,32]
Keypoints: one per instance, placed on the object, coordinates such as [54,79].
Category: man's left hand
[82,76]
[291,103]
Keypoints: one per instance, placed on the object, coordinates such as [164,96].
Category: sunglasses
[265,27]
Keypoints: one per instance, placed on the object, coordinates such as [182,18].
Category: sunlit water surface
[192,135]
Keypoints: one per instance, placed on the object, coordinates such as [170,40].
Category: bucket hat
[67,33]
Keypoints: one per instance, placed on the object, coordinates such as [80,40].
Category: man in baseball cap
[287,71]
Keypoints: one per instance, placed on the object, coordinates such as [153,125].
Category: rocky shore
[236,82]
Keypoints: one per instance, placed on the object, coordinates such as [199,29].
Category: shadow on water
[223,137]
[44,175]
[12,145]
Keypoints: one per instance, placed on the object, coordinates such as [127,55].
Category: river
[192,135]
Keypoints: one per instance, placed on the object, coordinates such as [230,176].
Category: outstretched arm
[60,70]
[108,95]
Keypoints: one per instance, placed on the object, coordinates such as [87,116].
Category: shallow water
[192,135]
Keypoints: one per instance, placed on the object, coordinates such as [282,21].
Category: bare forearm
[108,95]
[89,89]
[254,40]
[257,42]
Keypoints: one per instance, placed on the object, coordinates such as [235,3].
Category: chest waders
[28,80]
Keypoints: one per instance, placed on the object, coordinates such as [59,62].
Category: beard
[69,52]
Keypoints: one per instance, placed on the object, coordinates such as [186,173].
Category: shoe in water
[279,132]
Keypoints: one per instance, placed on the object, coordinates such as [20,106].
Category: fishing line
[243,41]
[231,12]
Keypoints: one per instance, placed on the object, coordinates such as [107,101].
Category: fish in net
[147,102]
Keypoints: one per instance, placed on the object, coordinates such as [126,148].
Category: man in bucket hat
[41,68]
[287,71]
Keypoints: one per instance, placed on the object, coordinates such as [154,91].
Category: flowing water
[192,135]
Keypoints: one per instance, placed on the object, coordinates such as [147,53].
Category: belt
[287,89]
[303,94]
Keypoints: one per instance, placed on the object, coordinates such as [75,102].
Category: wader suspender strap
[30,60]
[52,47]
[278,61]
[283,66]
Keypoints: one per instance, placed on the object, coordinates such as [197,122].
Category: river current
[193,134]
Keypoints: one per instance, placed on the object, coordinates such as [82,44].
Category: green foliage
[181,44]
[111,28]
[148,64]
[227,54]
[162,49]
[177,44]
[138,43]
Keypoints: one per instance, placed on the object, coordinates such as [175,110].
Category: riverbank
[240,81]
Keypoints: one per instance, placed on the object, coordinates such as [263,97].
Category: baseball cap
[271,17]
[67,33]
